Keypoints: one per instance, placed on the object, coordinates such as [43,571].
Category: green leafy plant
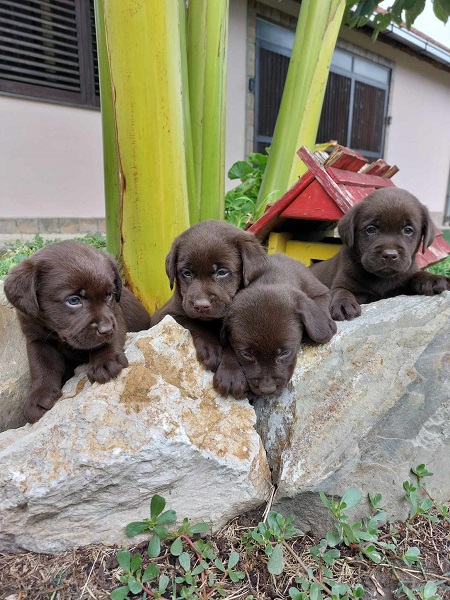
[440,268]
[200,573]
[270,536]
[17,251]
[241,201]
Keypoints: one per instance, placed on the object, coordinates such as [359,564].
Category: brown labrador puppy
[265,327]
[67,300]
[209,262]
[381,236]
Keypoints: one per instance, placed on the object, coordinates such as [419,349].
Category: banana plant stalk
[207,59]
[301,104]
[141,56]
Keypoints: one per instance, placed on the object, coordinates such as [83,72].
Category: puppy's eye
[222,273]
[73,301]
[284,353]
[186,273]
[109,296]
[408,230]
[245,355]
[371,229]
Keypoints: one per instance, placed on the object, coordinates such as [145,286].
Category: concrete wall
[417,141]
[51,160]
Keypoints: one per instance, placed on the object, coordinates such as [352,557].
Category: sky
[429,24]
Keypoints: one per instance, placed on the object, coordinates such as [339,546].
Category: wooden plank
[307,252]
[342,198]
[359,179]
[345,158]
[438,250]
[263,225]
[378,167]
[313,203]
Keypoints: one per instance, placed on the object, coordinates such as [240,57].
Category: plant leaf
[166,518]
[177,547]
[154,546]
[120,593]
[185,561]
[351,498]
[134,585]
[150,573]
[124,560]
[136,528]
[157,505]
[233,560]
[136,562]
[200,528]
[240,169]
[276,562]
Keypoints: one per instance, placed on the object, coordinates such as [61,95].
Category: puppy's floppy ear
[346,227]
[253,257]
[21,287]
[428,229]
[319,325]
[171,263]
[117,279]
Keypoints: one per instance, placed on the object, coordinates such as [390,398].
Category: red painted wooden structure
[330,187]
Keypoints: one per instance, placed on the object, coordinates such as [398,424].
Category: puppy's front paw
[103,368]
[428,284]
[209,353]
[40,401]
[345,309]
[230,381]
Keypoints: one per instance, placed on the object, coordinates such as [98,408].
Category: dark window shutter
[335,110]
[368,117]
[47,50]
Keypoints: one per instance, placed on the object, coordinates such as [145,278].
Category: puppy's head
[384,231]
[210,262]
[265,327]
[70,289]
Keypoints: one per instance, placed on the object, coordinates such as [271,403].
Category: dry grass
[92,572]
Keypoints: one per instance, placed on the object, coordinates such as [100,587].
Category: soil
[93,572]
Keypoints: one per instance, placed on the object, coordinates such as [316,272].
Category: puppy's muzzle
[389,255]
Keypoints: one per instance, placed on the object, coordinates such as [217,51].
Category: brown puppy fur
[265,326]
[381,236]
[66,297]
[209,262]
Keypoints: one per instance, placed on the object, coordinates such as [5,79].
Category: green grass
[18,250]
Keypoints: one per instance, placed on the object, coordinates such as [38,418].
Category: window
[356,97]
[48,50]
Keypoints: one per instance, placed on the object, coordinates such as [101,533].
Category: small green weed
[19,250]
[200,573]
[241,202]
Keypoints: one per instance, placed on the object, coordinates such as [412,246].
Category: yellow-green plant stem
[145,67]
[207,57]
[110,160]
[298,120]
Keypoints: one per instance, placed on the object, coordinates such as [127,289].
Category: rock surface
[363,409]
[14,375]
[92,463]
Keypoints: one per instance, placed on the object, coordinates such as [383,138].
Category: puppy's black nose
[389,254]
[104,328]
[267,387]
[202,305]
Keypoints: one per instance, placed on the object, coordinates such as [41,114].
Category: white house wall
[417,141]
[51,160]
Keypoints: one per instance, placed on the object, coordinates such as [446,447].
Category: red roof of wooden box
[330,187]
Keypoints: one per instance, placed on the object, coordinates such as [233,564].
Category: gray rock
[14,375]
[363,409]
[93,462]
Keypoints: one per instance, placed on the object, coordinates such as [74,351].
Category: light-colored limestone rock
[93,462]
[363,409]
[14,374]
